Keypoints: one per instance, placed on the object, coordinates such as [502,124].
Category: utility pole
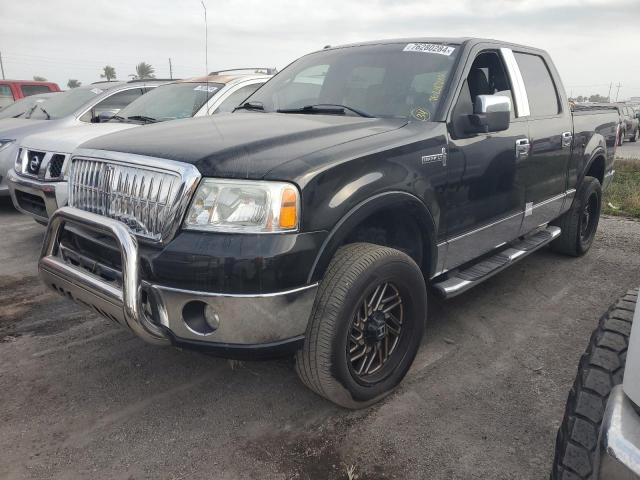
[618,91]
[609,94]
[1,65]
[170,70]
[206,39]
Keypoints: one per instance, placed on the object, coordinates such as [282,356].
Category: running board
[471,276]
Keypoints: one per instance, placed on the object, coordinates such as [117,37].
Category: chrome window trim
[517,83]
[189,175]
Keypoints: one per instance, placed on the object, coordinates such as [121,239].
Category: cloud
[590,40]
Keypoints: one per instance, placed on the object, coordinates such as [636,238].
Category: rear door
[550,134]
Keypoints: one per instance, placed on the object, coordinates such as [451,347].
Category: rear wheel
[580,223]
[366,326]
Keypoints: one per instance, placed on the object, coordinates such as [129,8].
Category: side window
[237,97]
[487,76]
[6,97]
[542,94]
[28,90]
[114,103]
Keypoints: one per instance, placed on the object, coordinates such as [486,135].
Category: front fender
[345,226]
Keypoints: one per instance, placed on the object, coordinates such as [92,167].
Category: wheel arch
[409,212]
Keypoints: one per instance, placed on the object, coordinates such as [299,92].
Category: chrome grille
[150,201]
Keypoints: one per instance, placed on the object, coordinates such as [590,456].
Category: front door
[485,194]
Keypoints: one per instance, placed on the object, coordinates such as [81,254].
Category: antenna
[206,53]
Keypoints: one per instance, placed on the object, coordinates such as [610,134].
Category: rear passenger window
[28,90]
[543,98]
[6,97]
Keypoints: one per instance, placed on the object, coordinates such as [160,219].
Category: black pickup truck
[313,219]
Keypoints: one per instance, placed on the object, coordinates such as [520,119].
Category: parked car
[24,105]
[89,104]
[630,127]
[599,438]
[38,182]
[13,90]
[312,220]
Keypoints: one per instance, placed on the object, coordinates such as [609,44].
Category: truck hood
[242,145]
[66,140]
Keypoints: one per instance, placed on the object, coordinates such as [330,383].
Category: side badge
[438,157]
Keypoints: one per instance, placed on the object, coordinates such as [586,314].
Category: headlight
[4,143]
[21,159]
[244,206]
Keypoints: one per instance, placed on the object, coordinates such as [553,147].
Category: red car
[12,90]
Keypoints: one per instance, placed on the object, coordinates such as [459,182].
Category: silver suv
[93,103]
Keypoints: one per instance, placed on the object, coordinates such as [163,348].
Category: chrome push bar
[124,304]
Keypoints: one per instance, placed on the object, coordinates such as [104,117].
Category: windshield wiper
[250,106]
[45,112]
[117,117]
[326,108]
[142,118]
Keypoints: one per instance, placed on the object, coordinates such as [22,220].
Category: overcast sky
[593,42]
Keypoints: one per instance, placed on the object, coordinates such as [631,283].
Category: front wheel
[366,326]
[580,223]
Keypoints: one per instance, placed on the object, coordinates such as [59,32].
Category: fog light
[200,318]
[211,317]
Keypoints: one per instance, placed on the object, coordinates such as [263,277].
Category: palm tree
[109,73]
[73,83]
[37,78]
[143,70]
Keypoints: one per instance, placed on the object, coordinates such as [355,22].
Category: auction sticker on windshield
[429,48]
[205,88]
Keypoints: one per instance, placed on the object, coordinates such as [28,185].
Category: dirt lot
[82,398]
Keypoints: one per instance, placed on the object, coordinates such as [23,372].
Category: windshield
[64,103]
[391,81]
[21,106]
[169,102]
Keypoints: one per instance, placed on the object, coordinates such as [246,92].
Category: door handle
[567,137]
[522,148]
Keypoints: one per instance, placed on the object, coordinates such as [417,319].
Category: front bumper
[36,198]
[160,314]
[619,448]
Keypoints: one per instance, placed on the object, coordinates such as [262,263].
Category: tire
[601,368]
[357,273]
[634,137]
[578,230]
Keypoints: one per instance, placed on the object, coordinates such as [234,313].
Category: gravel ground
[82,398]
[629,150]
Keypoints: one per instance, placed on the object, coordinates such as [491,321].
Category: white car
[38,183]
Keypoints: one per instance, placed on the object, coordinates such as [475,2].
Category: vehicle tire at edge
[634,137]
[570,241]
[601,368]
[355,269]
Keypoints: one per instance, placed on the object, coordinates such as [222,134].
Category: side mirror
[492,113]
[104,116]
